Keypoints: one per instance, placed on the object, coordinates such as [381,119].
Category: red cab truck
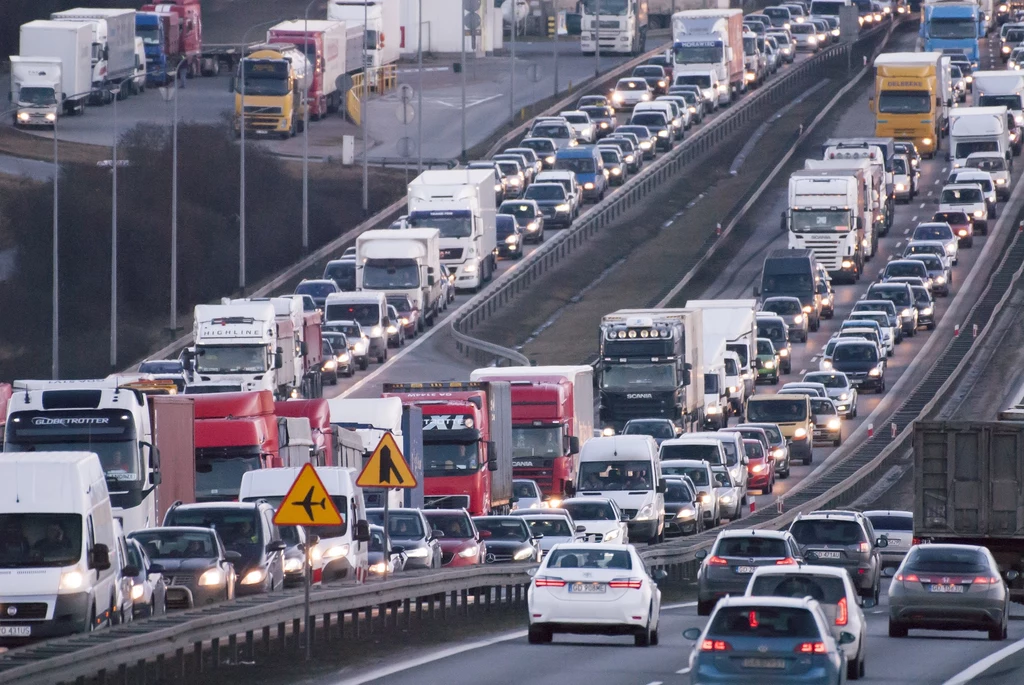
[552,417]
[5,399]
[467,443]
[189,34]
[235,432]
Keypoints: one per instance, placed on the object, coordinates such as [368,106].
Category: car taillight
[626,583]
[788,561]
[986,580]
[717,561]
[915,541]
[842,613]
[864,547]
[810,648]
[543,581]
[715,646]
[908,578]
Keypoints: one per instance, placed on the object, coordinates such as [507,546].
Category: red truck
[313,356]
[235,432]
[188,32]
[332,48]
[5,399]
[467,443]
[174,434]
[552,417]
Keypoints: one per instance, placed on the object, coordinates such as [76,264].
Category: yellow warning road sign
[386,467]
[307,503]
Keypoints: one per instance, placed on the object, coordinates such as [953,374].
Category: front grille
[446,557]
[451,253]
[595,537]
[446,502]
[669,516]
[613,24]
[257,109]
[181,579]
[23,611]
[498,558]
[177,598]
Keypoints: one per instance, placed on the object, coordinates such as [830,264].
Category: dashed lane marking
[906,231]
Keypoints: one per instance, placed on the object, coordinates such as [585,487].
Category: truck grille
[613,24]
[451,253]
[23,611]
[260,109]
[446,502]
[826,252]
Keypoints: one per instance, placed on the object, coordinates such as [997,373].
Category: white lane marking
[913,218]
[681,605]
[683,671]
[803,371]
[943,169]
[892,257]
[937,181]
[906,231]
[667,224]
[814,358]
[655,682]
[930,193]
[988,662]
[922,205]
[898,243]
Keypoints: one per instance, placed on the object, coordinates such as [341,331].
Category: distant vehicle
[196,567]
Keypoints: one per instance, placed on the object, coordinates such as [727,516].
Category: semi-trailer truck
[735,322]
[268,91]
[382,27]
[711,38]
[189,35]
[613,26]
[332,49]
[826,216]
[113,49]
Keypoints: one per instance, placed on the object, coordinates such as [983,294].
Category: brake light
[810,648]
[915,541]
[715,646]
[908,578]
[788,561]
[544,581]
[752,618]
[842,613]
[864,547]
[717,561]
[986,580]
[626,584]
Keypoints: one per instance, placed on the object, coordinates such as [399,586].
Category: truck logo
[639,396]
[445,422]
[521,462]
[70,421]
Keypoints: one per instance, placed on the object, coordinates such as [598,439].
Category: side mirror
[659,575]
[882,542]
[574,444]
[1011,575]
[531,572]
[484,534]
[581,529]
[279,359]
[889,571]
[99,557]
[303,350]
[312,540]
[846,638]
[691,633]
[437,534]
[155,478]
[131,570]
[430,280]
[570,489]
[362,531]
[757,291]
[701,554]
[871,104]
[275,546]
[782,221]
[660,487]
[538,536]
[397,549]
[156,568]
[745,460]
[232,556]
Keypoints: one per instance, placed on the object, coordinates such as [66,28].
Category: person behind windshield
[245,534]
[118,464]
[55,544]
[592,482]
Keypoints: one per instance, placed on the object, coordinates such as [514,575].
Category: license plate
[745,569]
[946,589]
[829,555]
[764,663]
[587,587]
[15,631]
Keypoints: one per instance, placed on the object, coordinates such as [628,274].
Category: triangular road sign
[307,503]
[386,467]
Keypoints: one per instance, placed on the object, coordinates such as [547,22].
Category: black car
[499,181]
[529,217]
[193,562]
[334,364]
[296,540]
[510,237]
[694,102]
[410,530]
[553,202]
[603,118]
[681,508]
[655,76]
[507,539]
[384,561]
[318,289]
[632,156]
[925,307]
[658,124]
[545,149]
[900,295]
[342,272]
[614,162]
[246,528]
[862,362]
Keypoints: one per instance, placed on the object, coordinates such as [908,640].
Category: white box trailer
[402,263]
[113,43]
[978,129]
[71,44]
[382,26]
[735,322]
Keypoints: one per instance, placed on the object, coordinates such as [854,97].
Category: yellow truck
[269,89]
[912,98]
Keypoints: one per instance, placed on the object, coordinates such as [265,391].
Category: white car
[555,528]
[703,479]
[581,123]
[965,197]
[528,494]
[897,527]
[995,164]
[601,519]
[835,593]
[586,588]
[629,92]
[904,178]
[727,494]
[983,180]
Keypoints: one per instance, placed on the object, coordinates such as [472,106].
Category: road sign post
[386,468]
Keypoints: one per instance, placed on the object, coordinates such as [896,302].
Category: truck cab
[792,414]
[36,90]
[269,85]
[235,348]
[406,262]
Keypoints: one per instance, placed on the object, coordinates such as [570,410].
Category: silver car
[843,539]
[728,494]
[897,527]
[556,529]
[792,312]
[839,390]
[736,554]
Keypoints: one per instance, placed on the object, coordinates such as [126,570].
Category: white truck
[875,177]
[383,26]
[710,38]
[235,350]
[296,441]
[613,26]
[978,129]
[826,216]
[734,321]
[52,72]
[459,203]
[291,344]
[994,88]
[716,396]
[113,49]
[404,262]
[371,418]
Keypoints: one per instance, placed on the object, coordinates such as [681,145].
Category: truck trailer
[52,72]
[113,49]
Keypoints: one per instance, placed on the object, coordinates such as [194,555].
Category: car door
[275,560]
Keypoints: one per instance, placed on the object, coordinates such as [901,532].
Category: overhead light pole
[173,94]
[113,241]
[305,135]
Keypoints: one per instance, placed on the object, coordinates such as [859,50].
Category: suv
[736,554]
[246,528]
[902,297]
[845,539]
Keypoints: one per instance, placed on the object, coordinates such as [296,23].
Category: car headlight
[417,553]
[611,535]
[645,145]
[392,329]
[343,357]
[380,568]
[629,159]
[564,207]
[617,97]
[927,311]
[900,186]
[750,76]
[826,363]
[798,318]
[713,409]
[784,352]
[1006,49]
[471,551]
[843,397]
[940,279]
[757,468]
[812,40]
[1000,181]
[950,248]
[550,159]
[661,84]
[646,512]
[404,320]
[512,239]
[875,372]
[978,214]
[23,116]
[293,565]
[376,332]
[337,551]
[778,453]
[769,364]
[663,133]
[835,32]
[470,268]
[523,554]
[907,313]
[834,424]
[71,580]
[213,576]
[330,364]
[616,171]
[138,592]
[254,576]
[359,347]
[513,181]
[645,97]
[686,513]
[800,433]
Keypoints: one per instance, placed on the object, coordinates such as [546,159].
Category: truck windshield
[264,78]
[448,225]
[777,411]
[698,53]
[32,540]
[390,274]
[711,384]
[693,80]
[363,314]
[826,8]
[904,102]
[965,149]
[231,359]
[616,475]
[450,459]
[952,27]
[749,46]
[150,35]
[1011,101]
[34,95]
[742,351]
[530,441]
[639,376]
[819,221]
[731,368]
[618,8]
[219,472]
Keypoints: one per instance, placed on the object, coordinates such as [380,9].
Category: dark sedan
[529,217]
[507,539]
[318,289]
[631,154]
[603,118]
[655,76]
[553,202]
[925,306]
[194,564]
[408,315]
[617,168]
[658,124]
[682,510]
[646,138]
[510,237]
[862,363]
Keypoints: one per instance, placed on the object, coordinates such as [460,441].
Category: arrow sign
[386,467]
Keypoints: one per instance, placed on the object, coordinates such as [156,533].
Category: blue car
[585,161]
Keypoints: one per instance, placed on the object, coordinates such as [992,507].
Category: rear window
[947,560]
[699,476]
[776,410]
[752,546]
[590,558]
[825,589]
[887,522]
[708,453]
[827,532]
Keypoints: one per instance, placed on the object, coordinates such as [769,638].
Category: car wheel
[364,364]
[539,635]
[855,668]
[704,608]
[785,474]
[643,638]
[997,634]
[897,629]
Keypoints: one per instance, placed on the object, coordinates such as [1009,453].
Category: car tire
[655,639]
[539,635]
[775,381]
[897,629]
[643,637]
[785,474]
[997,634]
[855,668]
[837,442]
[704,608]
[364,364]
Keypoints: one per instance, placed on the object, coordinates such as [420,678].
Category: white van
[369,308]
[625,469]
[339,554]
[58,546]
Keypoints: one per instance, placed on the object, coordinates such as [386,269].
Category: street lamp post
[419,96]
[512,73]
[113,243]
[363,109]
[55,323]
[462,65]
[597,39]
[174,196]
[305,138]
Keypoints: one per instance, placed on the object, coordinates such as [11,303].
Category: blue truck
[160,64]
[953,26]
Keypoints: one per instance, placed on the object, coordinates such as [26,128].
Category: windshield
[698,53]
[986,164]
[35,95]
[962,196]
[508,168]
[316,290]
[731,367]
[709,453]
[530,441]
[607,7]
[776,12]
[773,331]
[450,459]
[653,120]
[550,131]
[525,488]
[239,529]
[32,540]
[764,622]
[777,410]
[615,475]
[342,273]
[830,380]
[455,526]
[855,353]
[574,164]
[609,157]
[576,118]
[363,314]
[677,493]
[822,407]
[1010,101]
[930,261]
[518,210]
[264,77]
[506,226]
[177,544]
[550,191]
[589,511]
[782,307]
[831,9]
[966,149]
[933,232]
[711,386]
[400,302]
[220,478]
[539,145]
[798,29]
[819,221]
[899,166]
[904,102]
[215,359]
[448,225]
[150,35]
[620,377]
[697,475]
[401,526]
[906,269]
[552,527]
[511,529]
[951,27]
[656,428]
[765,347]
[390,274]
[824,589]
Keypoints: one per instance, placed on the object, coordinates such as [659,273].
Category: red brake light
[715,646]
[717,561]
[753,619]
[915,541]
[626,584]
[544,581]
[842,613]
[810,648]
[909,578]
[788,561]
[986,580]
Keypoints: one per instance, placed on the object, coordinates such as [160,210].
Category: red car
[461,543]
[962,225]
[760,468]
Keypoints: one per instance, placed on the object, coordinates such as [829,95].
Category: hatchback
[510,237]
[461,543]
[779,448]
[862,363]
[631,154]
[615,164]
[554,205]
[655,76]
[768,362]
[318,289]
[545,149]
[760,469]
[902,297]
[897,527]
[630,91]
[940,275]
[828,427]
[736,554]
[646,138]
[791,311]
[940,231]
[774,328]
[925,306]
[839,390]
[529,217]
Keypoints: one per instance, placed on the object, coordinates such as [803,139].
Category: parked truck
[332,48]
[623,26]
[160,34]
[826,215]
[403,263]
[174,436]
[734,322]
[911,101]
[952,26]
[711,38]
[552,418]
[651,366]
[113,49]
[382,27]
[968,489]
[467,443]
[189,21]
[270,82]
[459,203]
[52,72]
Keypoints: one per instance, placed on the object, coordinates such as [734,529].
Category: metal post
[174,205]
[113,246]
[556,51]
[419,96]
[305,146]
[363,109]
[597,38]
[308,574]
[387,535]
[55,325]
[512,72]
[462,34]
